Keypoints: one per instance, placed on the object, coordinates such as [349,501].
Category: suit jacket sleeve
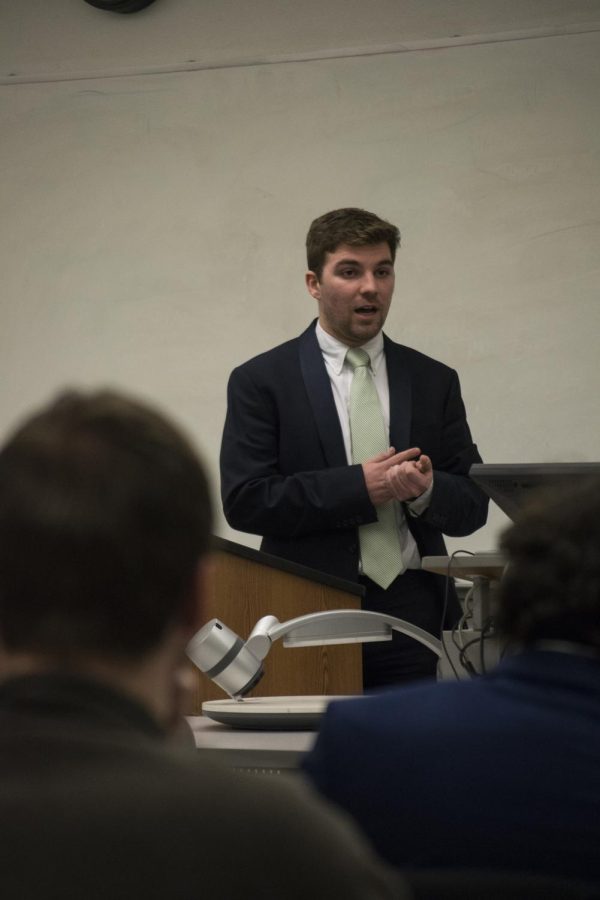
[458,506]
[427,411]
[275,480]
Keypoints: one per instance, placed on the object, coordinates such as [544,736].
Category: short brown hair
[551,587]
[104,514]
[351,226]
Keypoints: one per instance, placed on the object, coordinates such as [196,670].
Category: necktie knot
[357,358]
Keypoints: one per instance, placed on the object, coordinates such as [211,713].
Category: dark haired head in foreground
[104,517]
[104,531]
[500,772]
[551,588]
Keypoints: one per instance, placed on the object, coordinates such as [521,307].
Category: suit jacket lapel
[400,386]
[320,397]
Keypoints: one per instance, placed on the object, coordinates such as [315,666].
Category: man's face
[354,292]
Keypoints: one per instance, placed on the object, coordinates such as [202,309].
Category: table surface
[211,735]
[487,565]
[257,752]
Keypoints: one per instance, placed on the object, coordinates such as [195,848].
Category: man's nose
[368,283]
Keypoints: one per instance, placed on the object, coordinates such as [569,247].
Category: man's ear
[313,285]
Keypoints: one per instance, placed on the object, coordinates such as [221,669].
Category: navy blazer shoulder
[498,772]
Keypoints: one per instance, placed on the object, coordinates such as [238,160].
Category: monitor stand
[475,648]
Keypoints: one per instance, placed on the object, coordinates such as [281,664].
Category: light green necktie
[380,553]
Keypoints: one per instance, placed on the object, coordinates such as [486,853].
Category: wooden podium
[248,584]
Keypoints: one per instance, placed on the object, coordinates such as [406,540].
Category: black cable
[445,607]
[485,634]
[463,621]
[482,654]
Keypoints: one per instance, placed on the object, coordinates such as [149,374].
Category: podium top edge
[222,545]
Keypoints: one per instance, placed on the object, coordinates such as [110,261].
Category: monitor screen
[510,485]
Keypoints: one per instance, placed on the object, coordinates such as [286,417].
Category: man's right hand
[375,470]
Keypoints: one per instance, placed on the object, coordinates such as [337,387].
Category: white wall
[70,39]
[153,227]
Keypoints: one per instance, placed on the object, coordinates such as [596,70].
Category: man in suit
[288,471]
[501,772]
[104,532]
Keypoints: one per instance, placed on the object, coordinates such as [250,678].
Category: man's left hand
[410,479]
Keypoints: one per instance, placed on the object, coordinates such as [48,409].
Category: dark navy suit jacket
[501,772]
[284,473]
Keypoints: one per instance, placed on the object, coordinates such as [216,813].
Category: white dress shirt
[340,375]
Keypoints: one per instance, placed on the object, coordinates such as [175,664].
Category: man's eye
[383,273]
[348,273]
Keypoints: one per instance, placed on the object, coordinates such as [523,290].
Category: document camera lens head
[222,655]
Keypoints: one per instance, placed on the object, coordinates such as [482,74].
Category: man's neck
[325,338]
[159,681]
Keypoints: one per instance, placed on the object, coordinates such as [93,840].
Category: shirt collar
[334,351]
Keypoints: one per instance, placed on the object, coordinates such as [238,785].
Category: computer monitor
[510,485]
